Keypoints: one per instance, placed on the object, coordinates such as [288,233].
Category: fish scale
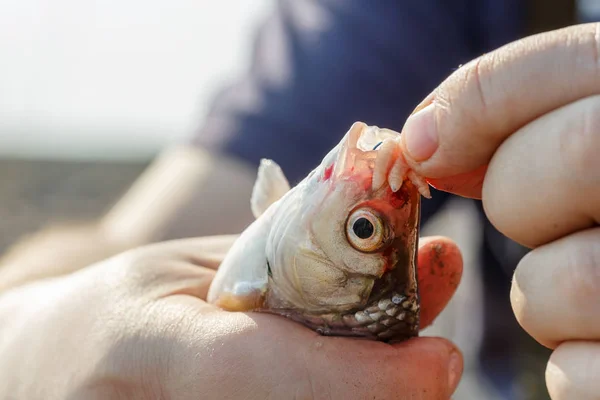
[391,318]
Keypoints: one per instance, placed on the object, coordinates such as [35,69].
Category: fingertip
[455,371]
[419,134]
[438,346]
[439,274]
[444,240]
[442,251]
[435,358]
[422,367]
[572,370]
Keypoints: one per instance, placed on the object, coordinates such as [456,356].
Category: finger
[188,280]
[459,127]
[556,290]
[208,251]
[314,366]
[439,273]
[573,371]
[423,368]
[544,181]
[179,267]
[158,277]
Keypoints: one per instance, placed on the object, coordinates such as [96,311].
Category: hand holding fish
[337,255]
[138,327]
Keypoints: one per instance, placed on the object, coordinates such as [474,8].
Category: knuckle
[581,46]
[134,261]
[567,272]
[587,47]
[442,104]
[475,80]
[579,145]
[523,287]
[469,83]
[135,268]
[464,91]
[464,103]
[581,277]
[572,371]
[595,44]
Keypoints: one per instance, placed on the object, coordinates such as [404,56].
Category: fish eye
[365,230]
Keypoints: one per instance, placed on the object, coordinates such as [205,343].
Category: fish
[338,251]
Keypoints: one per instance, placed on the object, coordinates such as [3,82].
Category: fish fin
[242,280]
[249,299]
[271,185]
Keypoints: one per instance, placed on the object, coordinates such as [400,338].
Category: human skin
[519,128]
[137,327]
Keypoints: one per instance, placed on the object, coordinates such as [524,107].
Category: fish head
[342,253]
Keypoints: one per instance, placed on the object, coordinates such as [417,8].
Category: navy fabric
[318,66]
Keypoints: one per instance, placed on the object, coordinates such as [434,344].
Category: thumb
[439,273]
[437,366]
[452,136]
[423,368]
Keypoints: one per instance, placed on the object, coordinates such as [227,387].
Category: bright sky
[113,78]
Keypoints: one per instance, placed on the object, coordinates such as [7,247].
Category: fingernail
[420,134]
[454,370]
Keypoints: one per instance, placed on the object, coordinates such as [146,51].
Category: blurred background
[91,92]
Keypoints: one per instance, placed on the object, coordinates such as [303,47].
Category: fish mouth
[391,315]
[358,148]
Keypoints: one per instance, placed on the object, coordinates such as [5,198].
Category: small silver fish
[337,252]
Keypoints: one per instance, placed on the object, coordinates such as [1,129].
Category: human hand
[137,327]
[57,250]
[519,128]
